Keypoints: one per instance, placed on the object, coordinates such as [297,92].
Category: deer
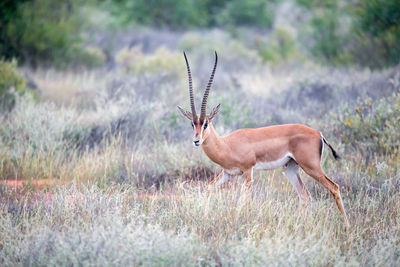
[291,146]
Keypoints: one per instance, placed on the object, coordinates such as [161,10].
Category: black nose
[196,143]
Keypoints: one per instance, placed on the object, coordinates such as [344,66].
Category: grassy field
[130,187]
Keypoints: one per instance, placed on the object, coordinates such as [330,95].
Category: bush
[178,14]
[171,13]
[281,46]
[45,31]
[162,60]
[11,81]
[38,127]
[377,27]
[328,31]
[230,49]
[366,32]
[370,128]
[328,43]
[8,12]
[250,12]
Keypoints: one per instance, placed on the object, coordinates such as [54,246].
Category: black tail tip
[336,155]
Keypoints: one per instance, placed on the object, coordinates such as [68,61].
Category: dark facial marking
[205,125]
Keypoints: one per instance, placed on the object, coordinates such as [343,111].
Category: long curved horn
[194,114]
[207,91]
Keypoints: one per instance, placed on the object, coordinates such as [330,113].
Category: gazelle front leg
[217,181]
[248,176]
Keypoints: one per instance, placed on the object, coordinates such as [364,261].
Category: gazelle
[289,146]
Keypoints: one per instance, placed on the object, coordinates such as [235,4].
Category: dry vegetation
[131,186]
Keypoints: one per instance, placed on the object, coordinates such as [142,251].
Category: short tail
[334,153]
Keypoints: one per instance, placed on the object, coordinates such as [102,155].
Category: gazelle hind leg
[292,173]
[318,174]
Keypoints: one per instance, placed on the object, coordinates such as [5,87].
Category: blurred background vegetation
[59,33]
[88,95]
[332,64]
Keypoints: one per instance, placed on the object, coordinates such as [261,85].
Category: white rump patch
[270,165]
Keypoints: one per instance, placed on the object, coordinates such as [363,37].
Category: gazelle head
[201,126]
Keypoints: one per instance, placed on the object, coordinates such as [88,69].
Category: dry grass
[268,226]
[131,188]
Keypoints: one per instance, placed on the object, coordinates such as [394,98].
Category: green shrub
[45,31]
[162,60]
[179,14]
[11,81]
[327,42]
[227,47]
[249,12]
[377,27]
[329,36]
[280,47]
[370,128]
[92,56]
[8,12]
[170,13]
[365,32]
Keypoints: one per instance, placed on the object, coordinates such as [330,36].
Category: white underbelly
[270,165]
[234,172]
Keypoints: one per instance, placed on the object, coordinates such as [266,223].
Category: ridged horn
[207,91]
[194,114]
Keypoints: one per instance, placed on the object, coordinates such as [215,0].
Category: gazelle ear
[214,112]
[185,113]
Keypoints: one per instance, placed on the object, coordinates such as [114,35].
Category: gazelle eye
[192,125]
[205,125]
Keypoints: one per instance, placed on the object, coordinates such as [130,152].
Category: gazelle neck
[214,146]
